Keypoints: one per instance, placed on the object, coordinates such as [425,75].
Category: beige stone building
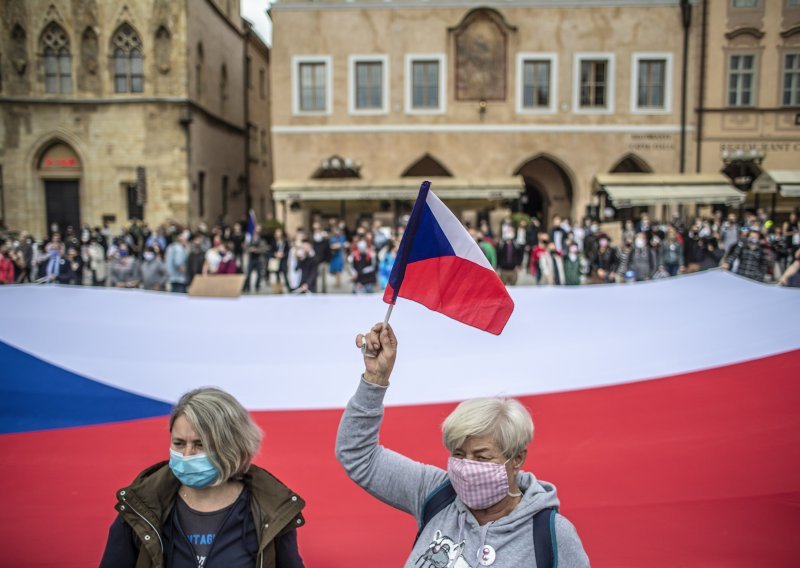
[504,105]
[749,93]
[118,110]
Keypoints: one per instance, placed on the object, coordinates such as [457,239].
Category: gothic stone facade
[97,97]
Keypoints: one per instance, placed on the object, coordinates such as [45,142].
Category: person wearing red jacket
[6,266]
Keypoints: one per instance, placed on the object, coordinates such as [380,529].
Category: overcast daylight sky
[255,12]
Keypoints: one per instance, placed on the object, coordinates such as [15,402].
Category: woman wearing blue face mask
[208,505]
[484,510]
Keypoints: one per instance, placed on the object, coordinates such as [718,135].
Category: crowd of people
[565,254]
[168,257]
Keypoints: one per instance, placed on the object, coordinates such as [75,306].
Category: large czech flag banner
[440,266]
[666,412]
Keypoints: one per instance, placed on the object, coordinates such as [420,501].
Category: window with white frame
[312,85]
[594,83]
[741,80]
[536,82]
[651,85]
[791,79]
[744,3]
[425,83]
[369,87]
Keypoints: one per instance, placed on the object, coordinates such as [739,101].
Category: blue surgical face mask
[193,471]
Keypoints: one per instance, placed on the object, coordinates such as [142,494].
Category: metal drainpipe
[702,89]
[248,195]
[686,19]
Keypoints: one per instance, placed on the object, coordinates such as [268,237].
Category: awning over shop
[403,188]
[631,190]
[787,182]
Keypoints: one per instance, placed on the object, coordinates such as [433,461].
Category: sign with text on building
[767,147]
[60,157]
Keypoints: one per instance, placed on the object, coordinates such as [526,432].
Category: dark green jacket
[146,504]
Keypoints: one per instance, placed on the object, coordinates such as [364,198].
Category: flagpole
[388,315]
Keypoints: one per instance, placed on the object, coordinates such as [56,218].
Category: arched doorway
[631,164]
[59,168]
[548,188]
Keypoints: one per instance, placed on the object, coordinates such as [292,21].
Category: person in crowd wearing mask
[509,256]
[363,267]
[278,262]
[380,235]
[557,233]
[236,241]
[176,259]
[750,258]
[6,265]
[604,262]
[154,272]
[791,276]
[486,230]
[551,267]
[538,252]
[214,256]
[671,253]
[17,261]
[642,259]
[624,252]
[125,269]
[308,263]
[730,233]
[573,266]
[54,267]
[709,254]
[336,245]
[76,264]
[27,248]
[485,509]
[227,263]
[208,505]
[196,259]
[97,262]
[320,241]
[256,249]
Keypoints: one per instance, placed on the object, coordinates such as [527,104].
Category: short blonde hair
[506,419]
[230,437]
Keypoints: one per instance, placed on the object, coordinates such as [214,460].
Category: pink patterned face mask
[478,484]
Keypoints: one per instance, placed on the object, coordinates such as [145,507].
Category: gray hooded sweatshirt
[453,537]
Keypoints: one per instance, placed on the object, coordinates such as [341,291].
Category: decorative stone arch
[56,165]
[480,44]
[426,166]
[549,187]
[631,163]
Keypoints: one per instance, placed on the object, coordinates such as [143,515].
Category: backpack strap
[437,500]
[544,538]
